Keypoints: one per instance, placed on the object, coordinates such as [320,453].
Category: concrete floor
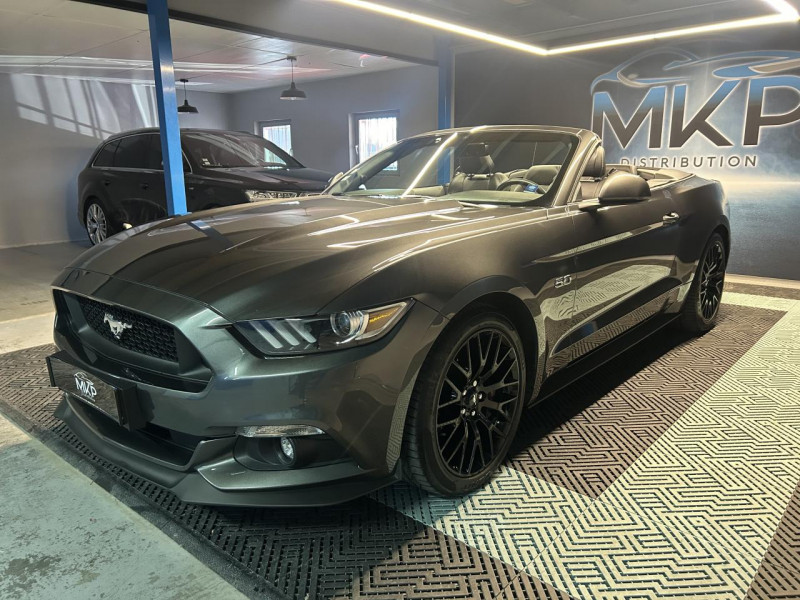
[61,536]
[26,274]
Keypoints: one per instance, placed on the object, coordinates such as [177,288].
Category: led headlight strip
[280,337]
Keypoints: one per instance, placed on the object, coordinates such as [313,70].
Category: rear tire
[466,406]
[701,308]
[97,222]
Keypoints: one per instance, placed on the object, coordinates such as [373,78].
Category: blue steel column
[164,72]
[444,56]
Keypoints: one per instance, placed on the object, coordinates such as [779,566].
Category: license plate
[109,399]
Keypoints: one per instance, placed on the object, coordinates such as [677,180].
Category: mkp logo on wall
[673,109]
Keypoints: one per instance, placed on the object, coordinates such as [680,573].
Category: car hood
[292,178]
[282,258]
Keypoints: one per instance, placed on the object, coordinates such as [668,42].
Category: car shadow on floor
[550,414]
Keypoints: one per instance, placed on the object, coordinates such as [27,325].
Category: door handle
[144,186]
[670,218]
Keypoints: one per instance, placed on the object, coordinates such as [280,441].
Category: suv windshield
[222,149]
[496,166]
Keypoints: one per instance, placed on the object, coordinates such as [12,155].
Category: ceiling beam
[302,21]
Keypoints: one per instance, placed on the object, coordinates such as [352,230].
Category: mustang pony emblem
[116,326]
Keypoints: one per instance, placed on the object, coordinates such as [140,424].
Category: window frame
[355,118]
[260,125]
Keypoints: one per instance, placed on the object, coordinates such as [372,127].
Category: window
[105,158]
[373,133]
[230,150]
[279,133]
[132,152]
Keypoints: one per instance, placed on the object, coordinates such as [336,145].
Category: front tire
[701,307]
[466,406]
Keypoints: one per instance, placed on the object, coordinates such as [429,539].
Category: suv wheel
[98,227]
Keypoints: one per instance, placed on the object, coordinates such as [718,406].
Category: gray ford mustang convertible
[311,350]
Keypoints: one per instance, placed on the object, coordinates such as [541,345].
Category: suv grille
[145,335]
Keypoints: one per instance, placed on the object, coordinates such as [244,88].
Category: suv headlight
[256,195]
[280,337]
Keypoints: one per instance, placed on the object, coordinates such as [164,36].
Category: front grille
[144,335]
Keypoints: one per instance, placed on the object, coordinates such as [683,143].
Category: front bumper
[357,397]
[212,474]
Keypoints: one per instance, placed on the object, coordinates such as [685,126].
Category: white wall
[49,127]
[320,124]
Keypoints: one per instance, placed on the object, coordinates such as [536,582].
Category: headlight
[322,333]
[256,195]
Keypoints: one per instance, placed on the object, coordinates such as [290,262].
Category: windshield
[223,149]
[495,166]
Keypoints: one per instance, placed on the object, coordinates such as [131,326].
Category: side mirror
[335,178]
[619,188]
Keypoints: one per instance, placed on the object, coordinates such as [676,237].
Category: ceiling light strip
[445,26]
[673,33]
[786,13]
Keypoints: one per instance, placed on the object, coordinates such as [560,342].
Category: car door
[625,267]
[141,191]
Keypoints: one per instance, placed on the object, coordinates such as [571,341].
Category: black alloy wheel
[466,405]
[476,400]
[701,307]
[711,280]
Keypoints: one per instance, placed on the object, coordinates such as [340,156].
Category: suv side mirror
[335,178]
[618,188]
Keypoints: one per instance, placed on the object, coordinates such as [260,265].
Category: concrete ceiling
[84,41]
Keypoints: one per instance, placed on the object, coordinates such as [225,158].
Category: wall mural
[725,106]
[734,117]
[716,115]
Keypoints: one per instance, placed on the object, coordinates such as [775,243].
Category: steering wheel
[517,181]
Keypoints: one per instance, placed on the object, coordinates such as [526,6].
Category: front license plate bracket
[116,399]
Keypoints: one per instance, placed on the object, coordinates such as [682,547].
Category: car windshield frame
[233,140]
[348,183]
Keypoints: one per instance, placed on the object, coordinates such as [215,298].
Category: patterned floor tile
[774,583]
[433,565]
[588,434]
[610,554]
[770,302]
[513,518]
[779,573]
[727,468]
[762,290]
[526,587]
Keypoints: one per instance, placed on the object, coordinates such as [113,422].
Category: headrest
[542,174]
[476,160]
[596,167]
[476,149]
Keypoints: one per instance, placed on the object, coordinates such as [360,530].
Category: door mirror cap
[623,188]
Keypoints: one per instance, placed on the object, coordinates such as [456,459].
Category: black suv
[123,184]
